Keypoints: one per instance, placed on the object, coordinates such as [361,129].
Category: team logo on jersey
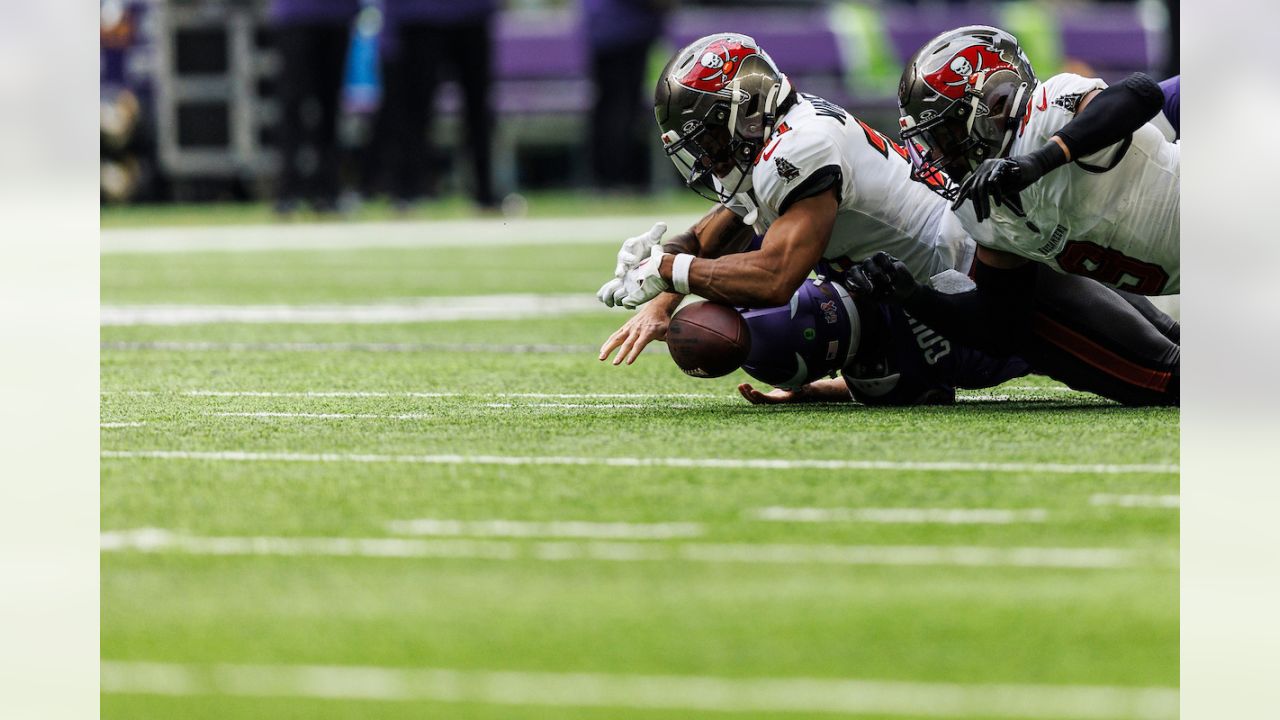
[1069,102]
[786,170]
[950,80]
[718,65]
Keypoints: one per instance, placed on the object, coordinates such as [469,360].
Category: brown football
[708,340]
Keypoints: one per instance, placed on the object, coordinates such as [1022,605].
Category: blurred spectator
[423,37]
[312,37]
[620,34]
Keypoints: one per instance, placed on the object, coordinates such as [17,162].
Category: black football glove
[881,277]
[1002,179]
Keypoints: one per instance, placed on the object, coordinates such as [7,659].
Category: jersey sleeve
[797,165]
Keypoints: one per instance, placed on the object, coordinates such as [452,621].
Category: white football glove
[643,281]
[633,251]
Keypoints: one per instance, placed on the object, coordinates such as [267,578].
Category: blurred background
[360,107]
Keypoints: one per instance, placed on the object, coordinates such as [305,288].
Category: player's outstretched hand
[633,251]
[881,277]
[648,324]
[998,180]
[825,390]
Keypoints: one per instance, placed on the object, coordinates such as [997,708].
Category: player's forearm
[1111,115]
[720,232]
[746,279]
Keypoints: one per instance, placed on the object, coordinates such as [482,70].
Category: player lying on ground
[820,186]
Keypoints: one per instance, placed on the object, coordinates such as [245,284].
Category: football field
[375,470]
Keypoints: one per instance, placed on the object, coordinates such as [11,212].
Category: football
[708,340]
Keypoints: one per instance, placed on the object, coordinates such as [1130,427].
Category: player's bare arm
[768,276]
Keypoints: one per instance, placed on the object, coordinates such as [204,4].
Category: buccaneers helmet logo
[950,80]
[717,66]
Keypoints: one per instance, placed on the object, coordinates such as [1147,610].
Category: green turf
[1116,626]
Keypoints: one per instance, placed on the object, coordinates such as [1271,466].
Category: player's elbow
[1146,91]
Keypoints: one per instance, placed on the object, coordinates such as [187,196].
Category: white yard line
[644,692]
[113,425]
[1143,501]
[941,516]
[153,540]
[415,394]
[173,346]
[324,416]
[472,233]
[550,529]
[429,309]
[720,463]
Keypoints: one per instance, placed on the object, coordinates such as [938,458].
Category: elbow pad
[1112,115]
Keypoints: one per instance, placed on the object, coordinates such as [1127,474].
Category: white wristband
[680,273]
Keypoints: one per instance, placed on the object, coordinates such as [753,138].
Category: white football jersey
[1111,216]
[881,207]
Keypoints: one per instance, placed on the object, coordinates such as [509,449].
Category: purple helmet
[811,337]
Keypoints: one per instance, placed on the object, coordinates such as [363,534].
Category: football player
[1068,172]
[816,185]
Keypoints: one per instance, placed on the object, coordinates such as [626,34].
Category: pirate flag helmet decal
[716,104]
[961,98]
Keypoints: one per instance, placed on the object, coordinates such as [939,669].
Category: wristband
[680,273]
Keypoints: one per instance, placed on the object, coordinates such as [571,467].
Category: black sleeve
[820,181]
[994,318]
[1113,115]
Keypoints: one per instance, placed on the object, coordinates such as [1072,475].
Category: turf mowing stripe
[550,528]
[941,516]
[540,348]
[648,692]
[469,233]
[722,463]
[154,540]
[114,425]
[324,416]
[1140,501]
[432,309]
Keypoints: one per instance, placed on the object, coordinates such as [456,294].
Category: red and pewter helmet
[716,104]
[962,97]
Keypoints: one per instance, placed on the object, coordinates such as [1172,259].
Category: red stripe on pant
[1098,356]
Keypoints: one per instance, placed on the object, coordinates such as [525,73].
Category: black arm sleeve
[1112,115]
[820,181]
[995,318]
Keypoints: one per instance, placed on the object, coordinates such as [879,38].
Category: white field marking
[354,347]
[385,394]
[486,232]
[552,528]
[1143,501]
[583,406]
[647,692]
[324,416]
[1040,388]
[427,309]
[721,463]
[154,540]
[113,425]
[941,516]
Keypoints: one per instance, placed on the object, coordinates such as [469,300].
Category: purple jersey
[907,363]
[1172,90]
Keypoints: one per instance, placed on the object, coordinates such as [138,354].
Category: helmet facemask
[714,162]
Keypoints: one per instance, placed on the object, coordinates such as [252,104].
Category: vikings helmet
[811,337]
[716,104]
[962,97]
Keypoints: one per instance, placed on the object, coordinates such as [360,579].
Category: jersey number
[882,144]
[1112,267]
